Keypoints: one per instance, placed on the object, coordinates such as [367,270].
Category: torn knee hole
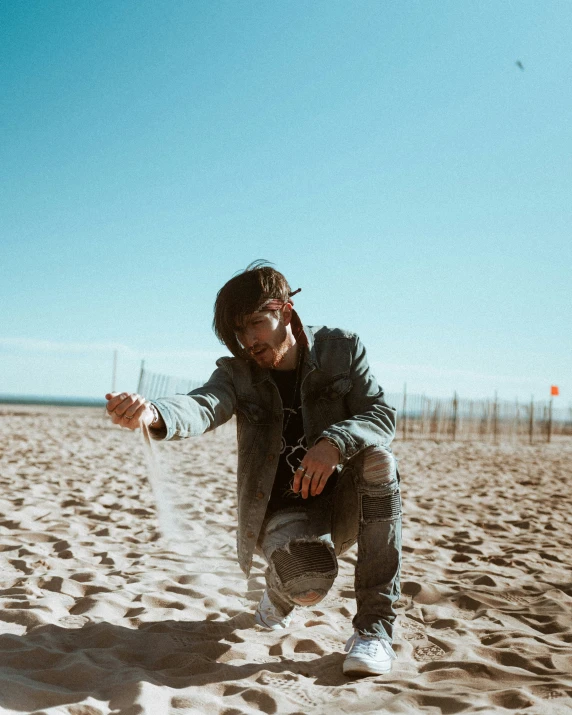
[378,466]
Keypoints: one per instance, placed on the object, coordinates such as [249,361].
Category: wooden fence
[152,384]
[422,417]
[494,420]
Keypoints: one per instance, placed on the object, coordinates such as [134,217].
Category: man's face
[265,337]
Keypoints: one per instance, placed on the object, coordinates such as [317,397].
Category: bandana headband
[277,303]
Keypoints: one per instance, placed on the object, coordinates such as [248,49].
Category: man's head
[253,313]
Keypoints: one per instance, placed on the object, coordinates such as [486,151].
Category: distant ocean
[50,400]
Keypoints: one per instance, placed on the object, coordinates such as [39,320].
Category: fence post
[434,425]
[516,417]
[495,420]
[549,426]
[141,373]
[151,387]
[404,411]
[454,425]
[114,374]
[484,423]
[531,422]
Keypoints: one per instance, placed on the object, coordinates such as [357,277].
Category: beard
[271,354]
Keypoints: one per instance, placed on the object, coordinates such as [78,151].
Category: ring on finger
[306,476]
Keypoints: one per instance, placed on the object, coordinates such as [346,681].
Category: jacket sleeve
[201,410]
[372,420]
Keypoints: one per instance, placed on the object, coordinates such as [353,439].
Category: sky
[391,159]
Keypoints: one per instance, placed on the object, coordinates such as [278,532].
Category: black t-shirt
[293,447]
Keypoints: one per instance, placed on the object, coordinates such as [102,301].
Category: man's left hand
[316,468]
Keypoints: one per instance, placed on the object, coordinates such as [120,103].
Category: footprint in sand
[327,645]
[548,692]
[292,688]
[334,602]
[414,636]
[407,624]
[428,653]
[261,700]
[73,621]
[414,632]
[512,598]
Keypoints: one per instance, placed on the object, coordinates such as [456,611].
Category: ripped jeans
[301,555]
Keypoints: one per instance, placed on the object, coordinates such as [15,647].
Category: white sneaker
[368,655]
[268,616]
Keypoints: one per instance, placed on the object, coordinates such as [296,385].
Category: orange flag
[554,390]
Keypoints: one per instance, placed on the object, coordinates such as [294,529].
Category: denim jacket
[341,400]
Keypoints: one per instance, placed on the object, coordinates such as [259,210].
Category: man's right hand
[129,410]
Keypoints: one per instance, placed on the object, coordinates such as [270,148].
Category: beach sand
[100,614]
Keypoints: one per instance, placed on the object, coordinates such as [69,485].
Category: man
[315,472]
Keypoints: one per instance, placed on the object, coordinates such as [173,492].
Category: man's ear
[287,309]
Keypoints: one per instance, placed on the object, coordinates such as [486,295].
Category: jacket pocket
[331,402]
[250,417]
[336,389]
[253,413]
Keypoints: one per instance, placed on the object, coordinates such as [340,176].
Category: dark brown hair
[242,295]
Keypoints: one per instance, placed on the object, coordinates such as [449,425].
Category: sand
[100,614]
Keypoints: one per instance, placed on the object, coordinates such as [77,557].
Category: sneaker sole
[352,667]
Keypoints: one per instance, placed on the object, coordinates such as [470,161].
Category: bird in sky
[519,64]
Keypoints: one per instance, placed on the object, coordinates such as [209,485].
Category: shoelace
[368,645]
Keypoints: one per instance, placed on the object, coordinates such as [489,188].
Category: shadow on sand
[51,665]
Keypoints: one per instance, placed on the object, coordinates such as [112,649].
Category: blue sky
[390,158]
